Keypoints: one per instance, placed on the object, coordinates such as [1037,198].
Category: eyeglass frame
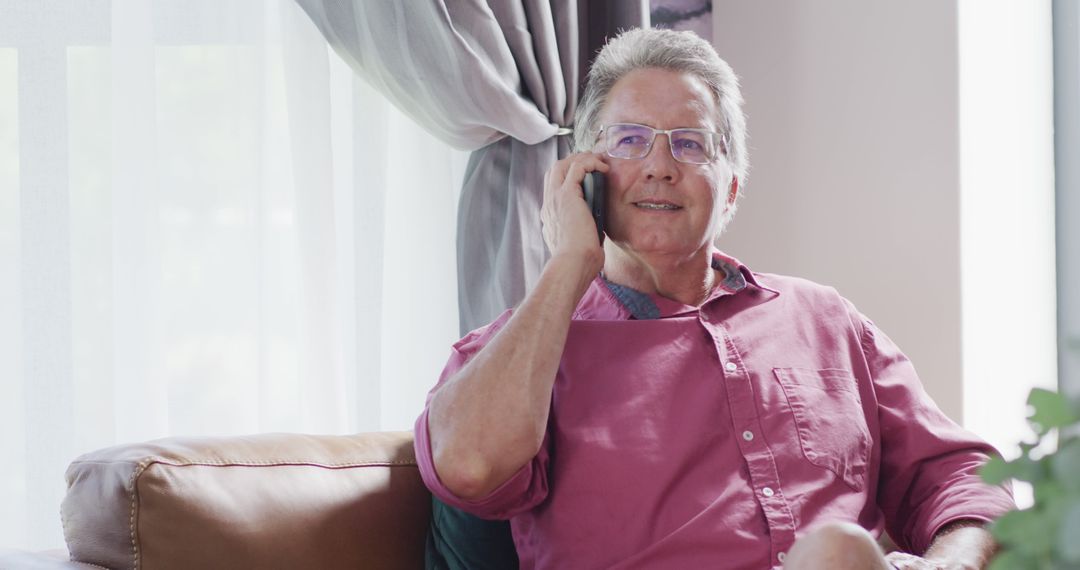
[723,143]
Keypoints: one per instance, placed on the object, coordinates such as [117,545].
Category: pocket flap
[823,379]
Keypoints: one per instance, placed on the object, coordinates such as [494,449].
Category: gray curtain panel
[498,77]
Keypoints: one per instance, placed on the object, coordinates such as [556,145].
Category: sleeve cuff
[977,501]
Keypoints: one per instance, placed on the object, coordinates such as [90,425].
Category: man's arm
[489,419]
[962,544]
[929,473]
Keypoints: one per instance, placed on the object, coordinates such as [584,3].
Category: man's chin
[657,247]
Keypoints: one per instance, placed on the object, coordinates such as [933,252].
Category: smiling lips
[657,205]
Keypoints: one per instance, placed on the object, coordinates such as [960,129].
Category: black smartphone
[595,190]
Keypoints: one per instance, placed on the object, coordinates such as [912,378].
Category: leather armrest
[262,501]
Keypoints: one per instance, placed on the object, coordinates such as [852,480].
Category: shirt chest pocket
[829,420]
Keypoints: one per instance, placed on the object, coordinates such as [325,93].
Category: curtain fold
[446,65]
[495,77]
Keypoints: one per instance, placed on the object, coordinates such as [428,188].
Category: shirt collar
[605,300]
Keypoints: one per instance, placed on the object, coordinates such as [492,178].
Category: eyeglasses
[693,146]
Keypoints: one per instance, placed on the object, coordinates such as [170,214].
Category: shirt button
[767,491]
[748,435]
[781,556]
[730,367]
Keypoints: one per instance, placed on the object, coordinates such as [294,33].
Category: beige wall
[853,118]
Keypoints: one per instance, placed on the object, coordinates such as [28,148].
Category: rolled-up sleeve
[929,464]
[522,491]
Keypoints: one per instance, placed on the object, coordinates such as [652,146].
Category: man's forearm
[490,418]
[962,544]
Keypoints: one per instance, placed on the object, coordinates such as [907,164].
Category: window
[1067,169]
[208,225]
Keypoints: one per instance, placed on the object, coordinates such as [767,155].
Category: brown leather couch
[262,501]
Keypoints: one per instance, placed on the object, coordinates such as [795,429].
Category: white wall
[855,177]
[902,152]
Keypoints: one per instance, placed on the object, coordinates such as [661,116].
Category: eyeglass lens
[634,141]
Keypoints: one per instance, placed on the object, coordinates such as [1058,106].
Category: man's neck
[687,280]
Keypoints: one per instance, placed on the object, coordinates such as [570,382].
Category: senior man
[654,403]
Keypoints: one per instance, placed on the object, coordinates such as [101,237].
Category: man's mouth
[657,206]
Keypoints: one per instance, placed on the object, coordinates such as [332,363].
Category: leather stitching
[134,496]
[67,543]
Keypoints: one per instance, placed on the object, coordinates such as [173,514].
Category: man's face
[657,205]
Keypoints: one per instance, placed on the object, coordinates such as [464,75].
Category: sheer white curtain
[207,226]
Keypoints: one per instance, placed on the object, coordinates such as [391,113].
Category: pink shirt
[717,436]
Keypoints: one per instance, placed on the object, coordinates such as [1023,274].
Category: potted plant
[1045,536]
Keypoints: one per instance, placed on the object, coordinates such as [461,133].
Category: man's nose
[659,163]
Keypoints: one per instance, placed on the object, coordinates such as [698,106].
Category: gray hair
[665,49]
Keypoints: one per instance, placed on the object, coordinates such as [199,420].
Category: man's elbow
[468,480]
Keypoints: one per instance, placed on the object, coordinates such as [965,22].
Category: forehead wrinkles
[686,102]
[706,112]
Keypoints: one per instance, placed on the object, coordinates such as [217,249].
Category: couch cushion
[265,501]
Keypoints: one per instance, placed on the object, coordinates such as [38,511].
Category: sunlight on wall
[1007,215]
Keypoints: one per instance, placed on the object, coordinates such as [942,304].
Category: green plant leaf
[1027,469]
[1051,410]
[1068,540]
[1011,560]
[996,471]
[1048,496]
[1027,531]
[1065,465]
[1046,536]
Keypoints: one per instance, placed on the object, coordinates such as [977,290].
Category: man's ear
[734,191]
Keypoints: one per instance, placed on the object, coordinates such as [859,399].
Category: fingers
[568,173]
[564,215]
[905,561]
[572,169]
